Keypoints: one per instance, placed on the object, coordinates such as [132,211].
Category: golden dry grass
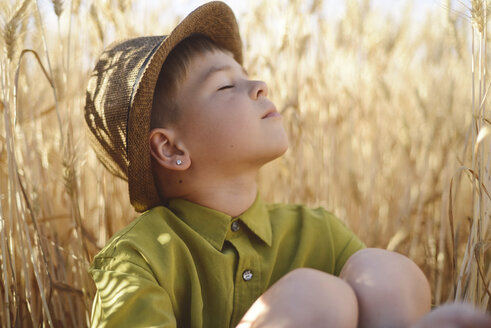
[387,121]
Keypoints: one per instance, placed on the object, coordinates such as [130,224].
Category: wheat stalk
[10,31]
[95,18]
[10,38]
[5,280]
[58,7]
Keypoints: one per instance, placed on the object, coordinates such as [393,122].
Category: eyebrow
[216,69]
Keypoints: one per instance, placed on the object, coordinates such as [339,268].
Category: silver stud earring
[178,162]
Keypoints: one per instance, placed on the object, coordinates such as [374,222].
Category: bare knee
[305,298]
[391,289]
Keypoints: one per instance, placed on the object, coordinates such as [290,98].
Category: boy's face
[226,120]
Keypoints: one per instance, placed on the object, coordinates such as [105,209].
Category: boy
[179,118]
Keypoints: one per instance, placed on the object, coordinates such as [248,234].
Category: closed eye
[226,87]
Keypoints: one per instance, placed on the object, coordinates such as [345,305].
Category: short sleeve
[128,296]
[345,242]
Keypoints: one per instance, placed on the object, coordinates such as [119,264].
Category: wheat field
[387,118]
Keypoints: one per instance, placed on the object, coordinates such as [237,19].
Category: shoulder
[319,239]
[313,221]
[145,235]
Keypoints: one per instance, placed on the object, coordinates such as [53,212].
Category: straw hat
[120,95]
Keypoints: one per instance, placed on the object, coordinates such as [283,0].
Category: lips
[272,112]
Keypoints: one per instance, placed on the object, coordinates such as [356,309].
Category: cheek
[228,130]
[211,131]
[225,126]
[224,120]
[229,137]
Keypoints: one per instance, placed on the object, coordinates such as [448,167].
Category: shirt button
[235,226]
[247,275]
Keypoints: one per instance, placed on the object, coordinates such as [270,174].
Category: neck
[231,196]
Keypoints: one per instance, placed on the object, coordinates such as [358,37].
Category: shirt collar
[213,225]
[256,218]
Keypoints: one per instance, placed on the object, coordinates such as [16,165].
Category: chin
[279,150]
[283,149]
[283,145]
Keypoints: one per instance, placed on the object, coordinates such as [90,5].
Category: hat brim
[215,20]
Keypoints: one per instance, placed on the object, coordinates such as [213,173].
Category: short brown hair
[173,72]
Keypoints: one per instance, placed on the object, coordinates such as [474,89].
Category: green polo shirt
[186,265]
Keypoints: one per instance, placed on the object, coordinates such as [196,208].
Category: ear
[167,151]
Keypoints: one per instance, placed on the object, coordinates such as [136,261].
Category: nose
[258,89]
